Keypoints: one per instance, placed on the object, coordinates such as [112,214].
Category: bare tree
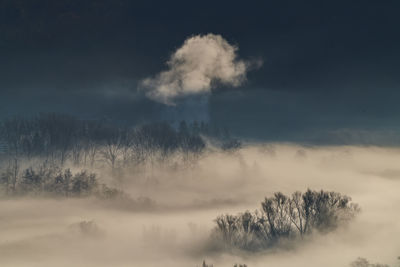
[112,148]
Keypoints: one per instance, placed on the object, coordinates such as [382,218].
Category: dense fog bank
[86,231]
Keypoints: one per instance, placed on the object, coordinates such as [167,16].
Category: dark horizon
[330,71]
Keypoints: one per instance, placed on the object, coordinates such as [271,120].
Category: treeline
[61,138]
[53,181]
[284,218]
[362,262]
[211,265]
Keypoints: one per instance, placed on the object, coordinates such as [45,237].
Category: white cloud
[201,63]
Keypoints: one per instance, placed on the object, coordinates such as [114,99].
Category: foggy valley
[199,133]
[157,205]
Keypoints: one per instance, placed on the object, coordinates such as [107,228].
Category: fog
[176,229]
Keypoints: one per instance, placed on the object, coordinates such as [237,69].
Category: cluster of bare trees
[285,218]
[362,262]
[53,181]
[61,139]
[211,265]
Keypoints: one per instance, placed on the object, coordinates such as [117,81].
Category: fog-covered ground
[176,230]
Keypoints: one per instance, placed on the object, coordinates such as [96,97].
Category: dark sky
[330,74]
